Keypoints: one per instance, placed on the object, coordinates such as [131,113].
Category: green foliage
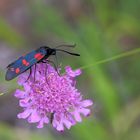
[8,133]
[9,35]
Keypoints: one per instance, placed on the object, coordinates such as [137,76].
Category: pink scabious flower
[51,98]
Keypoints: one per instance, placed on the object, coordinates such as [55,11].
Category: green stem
[125,54]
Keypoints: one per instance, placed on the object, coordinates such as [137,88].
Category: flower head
[51,98]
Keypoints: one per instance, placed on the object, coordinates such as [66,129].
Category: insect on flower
[26,62]
[59,103]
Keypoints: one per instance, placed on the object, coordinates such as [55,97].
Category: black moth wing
[24,63]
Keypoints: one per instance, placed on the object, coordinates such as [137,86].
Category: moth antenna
[76,54]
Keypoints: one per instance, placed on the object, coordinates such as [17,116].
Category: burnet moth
[26,62]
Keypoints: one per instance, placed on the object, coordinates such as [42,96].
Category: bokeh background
[101,29]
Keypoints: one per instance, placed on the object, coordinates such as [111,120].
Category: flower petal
[85,111]
[72,73]
[27,87]
[42,121]
[22,78]
[24,102]
[34,117]
[41,124]
[20,93]
[60,127]
[67,123]
[24,114]
[77,116]
[87,103]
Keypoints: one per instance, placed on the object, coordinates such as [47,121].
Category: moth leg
[44,61]
[45,73]
[55,66]
[29,74]
[34,72]
[56,60]
[45,69]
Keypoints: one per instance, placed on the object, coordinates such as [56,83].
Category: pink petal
[71,119]
[67,123]
[60,127]
[22,78]
[46,120]
[77,116]
[19,94]
[24,114]
[27,87]
[42,121]
[87,103]
[41,124]
[85,111]
[72,73]
[57,123]
[34,117]
[24,102]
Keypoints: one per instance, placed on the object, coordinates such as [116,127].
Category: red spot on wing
[17,70]
[38,56]
[24,62]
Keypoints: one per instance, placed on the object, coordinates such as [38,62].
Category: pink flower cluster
[51,98]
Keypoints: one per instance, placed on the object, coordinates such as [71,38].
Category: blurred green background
[101,29]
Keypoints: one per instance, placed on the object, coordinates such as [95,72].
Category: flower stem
[125,54]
